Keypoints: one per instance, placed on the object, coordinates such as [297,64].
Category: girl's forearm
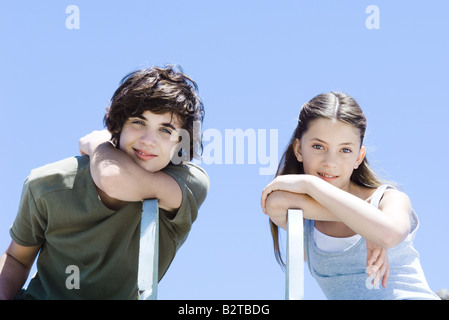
[371,223]
[278,202]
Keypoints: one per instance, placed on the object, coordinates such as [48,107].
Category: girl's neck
[364,193]
[339,229]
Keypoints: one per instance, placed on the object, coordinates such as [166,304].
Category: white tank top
[333,244]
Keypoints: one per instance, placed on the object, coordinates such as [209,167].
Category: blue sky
[256,63]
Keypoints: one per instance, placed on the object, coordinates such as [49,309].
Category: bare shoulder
[395,198]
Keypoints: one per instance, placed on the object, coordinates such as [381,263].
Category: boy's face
[149,139]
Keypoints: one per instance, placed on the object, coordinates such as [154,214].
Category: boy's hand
[377,263]
[89,142]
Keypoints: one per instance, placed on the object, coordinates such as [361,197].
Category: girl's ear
[360,157]
[297,149]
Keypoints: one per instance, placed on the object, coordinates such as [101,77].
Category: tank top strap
[378,194]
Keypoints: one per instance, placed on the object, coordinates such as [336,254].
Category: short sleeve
[174,227]
[194,184]
[29,226]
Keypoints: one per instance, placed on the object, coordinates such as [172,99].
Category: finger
[386,277]
[370,270]
[380,276]
[373,257]
[377,278]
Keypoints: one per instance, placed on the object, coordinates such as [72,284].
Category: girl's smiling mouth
[326,177]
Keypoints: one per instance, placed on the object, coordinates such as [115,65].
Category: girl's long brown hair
[332,106]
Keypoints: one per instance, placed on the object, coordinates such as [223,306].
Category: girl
[349,214]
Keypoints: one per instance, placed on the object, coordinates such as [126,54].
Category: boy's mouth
[144,155]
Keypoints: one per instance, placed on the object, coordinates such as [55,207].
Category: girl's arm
[115,173]
[278,202]
[386,229]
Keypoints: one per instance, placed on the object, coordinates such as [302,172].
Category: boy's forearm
[13,275]
[114,172]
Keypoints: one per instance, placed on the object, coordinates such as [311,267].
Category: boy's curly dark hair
[159,91]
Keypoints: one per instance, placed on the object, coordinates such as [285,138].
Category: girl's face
[330,150]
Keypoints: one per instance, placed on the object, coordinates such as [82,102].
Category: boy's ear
[360,157]
[297,149]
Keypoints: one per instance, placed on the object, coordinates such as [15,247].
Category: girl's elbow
[275,208]
[393,238]
[274,203]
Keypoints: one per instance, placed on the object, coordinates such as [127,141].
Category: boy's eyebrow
[165,124]
[138,116]
[169,125]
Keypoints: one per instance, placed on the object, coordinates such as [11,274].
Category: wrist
[311,184]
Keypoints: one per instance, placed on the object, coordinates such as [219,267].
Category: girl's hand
[377,263]
[295,183]
[89,142]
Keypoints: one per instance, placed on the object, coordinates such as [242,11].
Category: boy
[85,212]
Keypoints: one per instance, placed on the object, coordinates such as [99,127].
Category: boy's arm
[15,265]
[115,173]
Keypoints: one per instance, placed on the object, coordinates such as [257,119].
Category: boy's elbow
[107,180]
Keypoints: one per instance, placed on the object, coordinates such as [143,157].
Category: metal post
[294,277]
[147,277]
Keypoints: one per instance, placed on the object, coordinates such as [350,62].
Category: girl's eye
[346,150]
[317,147]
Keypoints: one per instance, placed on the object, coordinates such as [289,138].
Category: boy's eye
[165,130]
[138,122]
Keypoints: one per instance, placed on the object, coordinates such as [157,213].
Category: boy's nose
[149,138]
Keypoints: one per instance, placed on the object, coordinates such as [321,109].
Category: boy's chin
[152,167]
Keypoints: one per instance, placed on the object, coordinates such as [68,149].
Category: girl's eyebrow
[341,144]
[319,140]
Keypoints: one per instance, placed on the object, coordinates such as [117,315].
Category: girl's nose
[329,160]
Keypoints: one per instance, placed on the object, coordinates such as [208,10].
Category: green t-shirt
[60,209]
